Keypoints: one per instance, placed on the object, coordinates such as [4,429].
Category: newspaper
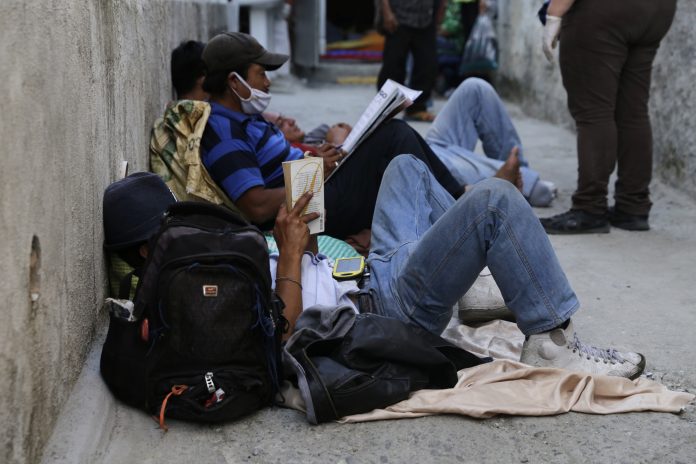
[391,99]
[303,175]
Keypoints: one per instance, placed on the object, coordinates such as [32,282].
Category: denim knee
[498,194]
[406,165]
[476,85]
[495,185]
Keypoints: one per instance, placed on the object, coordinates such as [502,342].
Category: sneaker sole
[480,315]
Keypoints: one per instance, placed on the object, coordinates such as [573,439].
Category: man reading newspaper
[244,153]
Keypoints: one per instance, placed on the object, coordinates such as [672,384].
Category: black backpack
[206,343]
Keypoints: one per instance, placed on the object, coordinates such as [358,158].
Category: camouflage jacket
[175,153]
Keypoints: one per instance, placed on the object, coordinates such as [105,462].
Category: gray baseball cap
[232,50]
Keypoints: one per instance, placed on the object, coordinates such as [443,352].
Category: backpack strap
[190,208]
[126,284]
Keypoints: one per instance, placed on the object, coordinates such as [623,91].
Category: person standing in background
[606,56]
[410,26]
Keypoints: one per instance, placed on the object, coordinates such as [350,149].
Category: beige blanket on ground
[513,388]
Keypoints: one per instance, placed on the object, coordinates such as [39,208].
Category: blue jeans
[427,250]
[473,112]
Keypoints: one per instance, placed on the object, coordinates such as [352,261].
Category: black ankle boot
[626,221]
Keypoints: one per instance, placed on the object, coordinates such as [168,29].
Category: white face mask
[257,101]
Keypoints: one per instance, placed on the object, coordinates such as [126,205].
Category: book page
[368,117]
[410,94]
[390,100]
[376,121]
[303,175]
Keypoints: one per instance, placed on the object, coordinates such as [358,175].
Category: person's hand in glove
[552,29]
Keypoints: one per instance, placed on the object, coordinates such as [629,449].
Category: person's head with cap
[236,66]
[132,211]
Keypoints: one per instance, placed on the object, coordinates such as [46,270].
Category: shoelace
[599,354]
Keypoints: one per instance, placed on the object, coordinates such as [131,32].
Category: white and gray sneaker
[483,302]
[563,349]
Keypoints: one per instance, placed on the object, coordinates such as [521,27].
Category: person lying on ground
[308,141]
[176,176]
[244,153]
[183,120]
[419,270]
[473,113]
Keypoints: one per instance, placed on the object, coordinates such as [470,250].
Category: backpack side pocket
[123,361]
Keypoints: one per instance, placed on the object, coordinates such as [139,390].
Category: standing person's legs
[593,51]
[467,15]
[423,46]
[634,156]
[473,112]
[427,250]
[592,55]
[634,148]
[350,195]
[396,47]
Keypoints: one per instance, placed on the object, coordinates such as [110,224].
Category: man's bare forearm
[288,287]
[260,204]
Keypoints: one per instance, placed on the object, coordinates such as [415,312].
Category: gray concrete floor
[637,290]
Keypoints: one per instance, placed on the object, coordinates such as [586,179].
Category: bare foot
[510,170]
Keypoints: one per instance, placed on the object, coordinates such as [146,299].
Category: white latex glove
[551,31]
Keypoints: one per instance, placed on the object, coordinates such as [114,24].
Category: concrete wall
[82,83]
[526,76]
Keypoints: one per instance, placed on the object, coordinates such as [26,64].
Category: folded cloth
[513,388]
[498,339]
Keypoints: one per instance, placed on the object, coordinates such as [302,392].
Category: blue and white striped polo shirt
[242,151]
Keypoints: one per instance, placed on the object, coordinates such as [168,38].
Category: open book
[391,99]
[303,175]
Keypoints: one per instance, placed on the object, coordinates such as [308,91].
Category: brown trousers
[607,49]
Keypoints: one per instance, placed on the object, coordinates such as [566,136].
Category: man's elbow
[259,205]
[259,213]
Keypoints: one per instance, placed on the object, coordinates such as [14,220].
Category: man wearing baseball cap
[244,153]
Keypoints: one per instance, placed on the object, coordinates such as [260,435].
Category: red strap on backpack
[176,391]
